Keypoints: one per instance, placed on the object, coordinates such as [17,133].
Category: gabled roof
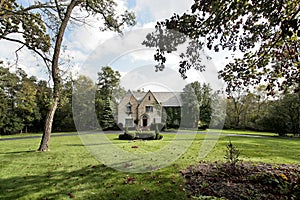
[167,99]
[139,95]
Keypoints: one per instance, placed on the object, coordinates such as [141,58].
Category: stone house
[142,109]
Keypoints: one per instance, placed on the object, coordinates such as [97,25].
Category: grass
[20,135]
[229,131]
[68,170]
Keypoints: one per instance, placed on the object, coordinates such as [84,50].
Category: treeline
[260,112]
[24,102]
[245,110]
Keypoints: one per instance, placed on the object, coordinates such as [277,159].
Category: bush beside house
[139,134]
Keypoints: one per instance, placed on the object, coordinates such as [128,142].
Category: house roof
[139,95]
[167,99]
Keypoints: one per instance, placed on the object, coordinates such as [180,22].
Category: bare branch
[59,11]
[43,56]
[17,55]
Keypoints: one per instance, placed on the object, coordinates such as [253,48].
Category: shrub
[145,135]
[122,137]
[127,136]
[232,154]
[174,126]
[159,137]
[202,126]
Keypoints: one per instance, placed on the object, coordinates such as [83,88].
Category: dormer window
[128,108]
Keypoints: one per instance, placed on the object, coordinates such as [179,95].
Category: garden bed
[243,181]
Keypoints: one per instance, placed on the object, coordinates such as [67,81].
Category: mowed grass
[69,170]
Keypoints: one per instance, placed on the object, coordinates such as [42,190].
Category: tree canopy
[266,33]
[108,93]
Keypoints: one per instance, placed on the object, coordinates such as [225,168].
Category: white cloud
[26,60]
[145,77]
[160,10]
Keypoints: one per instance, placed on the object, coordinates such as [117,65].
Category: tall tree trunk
[44,145]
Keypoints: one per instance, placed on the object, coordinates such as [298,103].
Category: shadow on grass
[91,182]
[17,152]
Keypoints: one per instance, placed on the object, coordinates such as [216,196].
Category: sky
[90,49]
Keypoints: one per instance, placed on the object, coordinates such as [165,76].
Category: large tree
[108,94]
[42,27]
[190,107]
[265,32]
[204,97]
[283,115]
[10,122]
[26,103]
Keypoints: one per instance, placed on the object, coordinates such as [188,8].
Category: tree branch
[16,52]
[59,11]
[45,59]
[110,26]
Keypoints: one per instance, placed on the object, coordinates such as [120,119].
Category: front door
[145,120]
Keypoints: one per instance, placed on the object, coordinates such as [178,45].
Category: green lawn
[68,170]
[242,132]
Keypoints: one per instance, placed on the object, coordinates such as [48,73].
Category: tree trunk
[44,145]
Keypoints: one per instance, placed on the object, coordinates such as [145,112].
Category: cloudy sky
[90,49]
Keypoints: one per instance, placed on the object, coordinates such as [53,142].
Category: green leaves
[266,32]
[107,11]
[19,20]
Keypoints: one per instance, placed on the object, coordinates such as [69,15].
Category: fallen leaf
[71,195]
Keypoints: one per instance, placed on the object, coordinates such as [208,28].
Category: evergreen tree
[108,117]
[190,108]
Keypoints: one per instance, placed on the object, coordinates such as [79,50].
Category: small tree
[107,120]
[232,154]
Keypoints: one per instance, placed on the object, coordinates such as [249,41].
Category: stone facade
[142,109]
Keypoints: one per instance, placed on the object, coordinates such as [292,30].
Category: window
[149,98]
[129,122]
[128,108]
[149,108]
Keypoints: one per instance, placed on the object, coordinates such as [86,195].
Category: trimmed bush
[127,136]
[148,135]
[159,137]
[145,135]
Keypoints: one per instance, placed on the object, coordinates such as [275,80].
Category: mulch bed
[243,181]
